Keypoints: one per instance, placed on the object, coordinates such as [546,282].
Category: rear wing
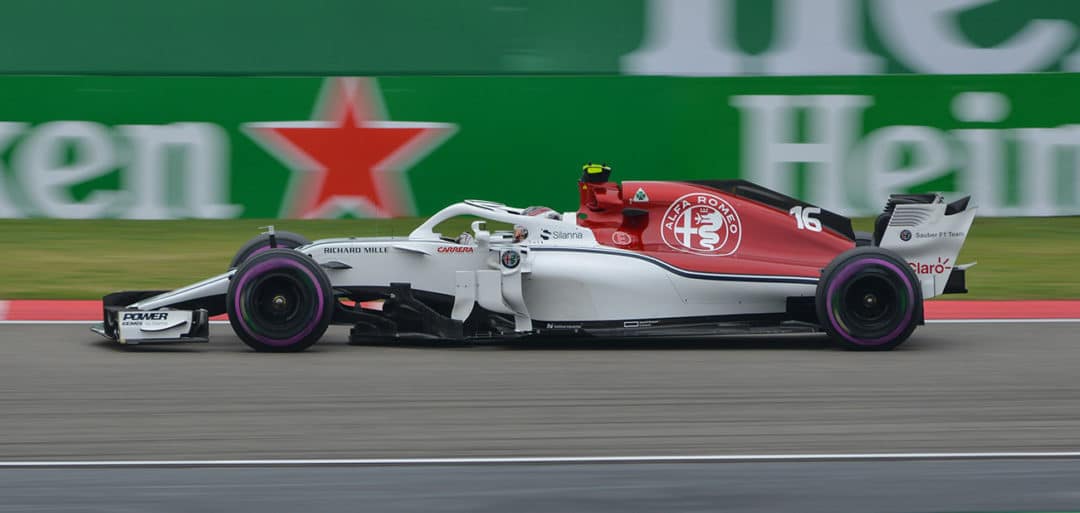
[928,233]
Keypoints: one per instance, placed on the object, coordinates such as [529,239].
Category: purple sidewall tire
[850,271]
[851,266]
[315,297]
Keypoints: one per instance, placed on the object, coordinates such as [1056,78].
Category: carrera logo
[145,316]
[940,267]
[703,224]
[454,249]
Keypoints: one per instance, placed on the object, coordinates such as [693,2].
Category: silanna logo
[703,224]
[546,234]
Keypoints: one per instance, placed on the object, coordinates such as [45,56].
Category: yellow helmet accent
[594,169]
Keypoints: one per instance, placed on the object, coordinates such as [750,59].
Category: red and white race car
[638,259]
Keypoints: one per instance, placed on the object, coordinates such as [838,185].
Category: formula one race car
[638,259]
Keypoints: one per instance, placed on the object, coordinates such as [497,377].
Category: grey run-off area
[66,395]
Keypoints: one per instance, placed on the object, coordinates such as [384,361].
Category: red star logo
[349,159]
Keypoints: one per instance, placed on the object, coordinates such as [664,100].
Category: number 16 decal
[806,218]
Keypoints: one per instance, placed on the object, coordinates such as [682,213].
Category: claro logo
[145,316]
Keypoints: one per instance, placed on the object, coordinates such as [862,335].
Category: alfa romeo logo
[510,259]
[703,224]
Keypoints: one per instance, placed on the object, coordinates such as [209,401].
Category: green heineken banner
[159,148]
[651,37]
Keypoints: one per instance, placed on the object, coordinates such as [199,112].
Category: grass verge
[1019,258]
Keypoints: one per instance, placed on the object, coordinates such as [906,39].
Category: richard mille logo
[355,250]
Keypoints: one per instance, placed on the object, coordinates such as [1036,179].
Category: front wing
[129,325]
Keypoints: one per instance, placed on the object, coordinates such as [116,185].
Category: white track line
[736,458]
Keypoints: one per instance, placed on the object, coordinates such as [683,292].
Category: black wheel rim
[276,304]
[871,305]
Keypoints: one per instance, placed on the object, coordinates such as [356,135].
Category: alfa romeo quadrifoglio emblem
[703,224]
[510,259]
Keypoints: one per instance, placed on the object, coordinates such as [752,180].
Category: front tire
[279,300]
[869,299]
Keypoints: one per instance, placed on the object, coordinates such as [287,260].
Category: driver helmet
[520,233]
[542,212]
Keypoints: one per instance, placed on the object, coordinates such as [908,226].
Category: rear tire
[288,240]
[279,300]
[869,299]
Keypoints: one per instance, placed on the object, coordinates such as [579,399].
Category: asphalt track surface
[66,395]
